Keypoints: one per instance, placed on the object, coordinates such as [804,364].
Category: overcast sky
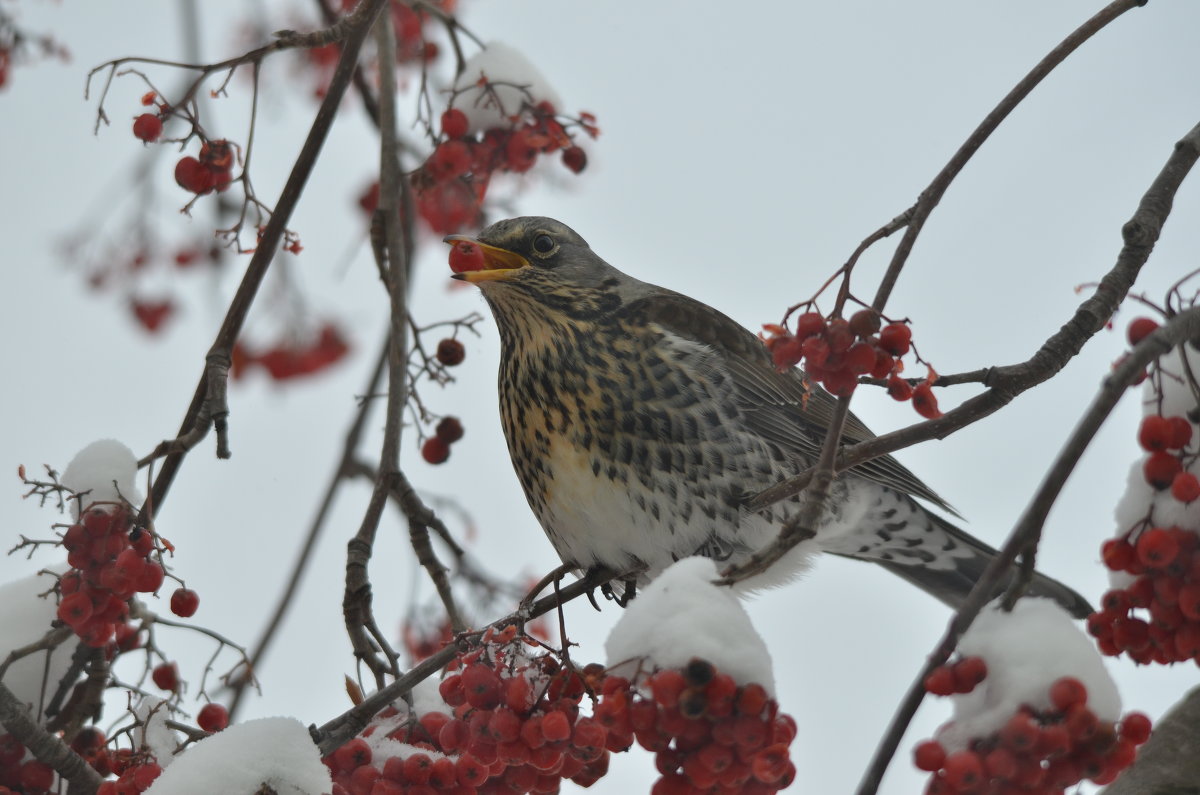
[745,153]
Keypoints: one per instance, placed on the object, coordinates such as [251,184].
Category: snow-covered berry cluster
[836,351]
[508,722]
[451,184]
[1034,709]
[21,774]
[708,734]
[1037,751]
[111,559]
[1152,614]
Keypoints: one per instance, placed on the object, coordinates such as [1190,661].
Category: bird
[640,421]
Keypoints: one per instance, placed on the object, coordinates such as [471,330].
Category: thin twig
[208,400]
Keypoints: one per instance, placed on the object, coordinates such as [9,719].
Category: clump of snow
[681,615]
[1025,651]
[1140,498]
[107,470]
[152,714]
[275,752]
[515,82]
[24,619]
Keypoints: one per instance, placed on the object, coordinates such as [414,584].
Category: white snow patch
[26,618]
[681,615]
[1139,497]
[239,760]
[152,712]
[523,84]
[97,467]
[1026,651]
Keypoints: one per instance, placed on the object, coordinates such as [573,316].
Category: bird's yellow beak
[498,263]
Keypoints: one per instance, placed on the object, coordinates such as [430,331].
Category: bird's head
[535,266]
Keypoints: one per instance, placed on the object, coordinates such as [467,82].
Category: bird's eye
[543,244]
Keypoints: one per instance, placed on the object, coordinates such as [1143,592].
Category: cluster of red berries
[1038,752]
[436,448]
[836,351]
[515,728]
[451,184]
[291,359]
[1163,468]
[27,776]
[1166,563]
[110,561]
[212,170]
[708,734]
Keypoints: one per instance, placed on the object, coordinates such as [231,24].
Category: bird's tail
[967,559]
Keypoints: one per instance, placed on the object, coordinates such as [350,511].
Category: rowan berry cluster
[291,358]
[1038,752]
[451,184]
[513,727]
[708,733]
[835,352]
[111,559]
[1166,564]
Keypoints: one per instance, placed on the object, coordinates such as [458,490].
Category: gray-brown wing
[782,407]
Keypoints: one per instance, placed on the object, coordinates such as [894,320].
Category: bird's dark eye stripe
[543,244]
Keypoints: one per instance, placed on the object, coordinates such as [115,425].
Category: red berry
[808,324]
[184,602]
[1066,692]
[1154,433]
[454,123]
[1157,548]
[449,430]
[465,256]
[36,776]
[451,352]
[1181,432]
[166,676]
[451,159]
[1117,554]
[1139,329]
[1000,763]
[864,323]
[435,450]
[75,609]
[968,672]
[925,402]
[194,176]
[1135,727]
[1185,487]
[556,726]
[940,681]
[147,127]
[859,359]
[929,756]
[1019,733]
[666,685]
[1189,601]
[786,352]
[963,770]
[353,754]
[574,158]
[213,717]
[898,388]
[895,338]
[1160,469]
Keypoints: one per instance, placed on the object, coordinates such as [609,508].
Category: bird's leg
[629,592]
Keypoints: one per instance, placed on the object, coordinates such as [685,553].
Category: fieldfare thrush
[640,421]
